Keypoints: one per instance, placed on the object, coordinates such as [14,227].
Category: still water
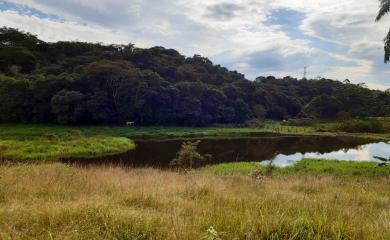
[364,152]
[283,150]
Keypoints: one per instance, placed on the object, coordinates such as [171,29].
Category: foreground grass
[46,149]
[118,203]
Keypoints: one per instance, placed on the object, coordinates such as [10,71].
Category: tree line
[90,83]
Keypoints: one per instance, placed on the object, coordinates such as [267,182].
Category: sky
[334,39]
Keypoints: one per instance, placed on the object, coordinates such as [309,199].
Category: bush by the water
[300,122]
[254,123]
[355,126]
[188,156]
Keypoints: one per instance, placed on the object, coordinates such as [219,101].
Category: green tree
[19,56]
[241,110]
[323,107]
[99,108]
[79,82]
[42,88]
[15,98]
[68,106]
[259,112]
[112,77]
[188,156]
[384,9]
[14,37]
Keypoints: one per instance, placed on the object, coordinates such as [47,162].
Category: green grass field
[313,167]
[55,201]
[49,150]
[28,131]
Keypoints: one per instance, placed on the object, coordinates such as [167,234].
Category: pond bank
[36,141]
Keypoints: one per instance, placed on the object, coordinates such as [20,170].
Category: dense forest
[88,83]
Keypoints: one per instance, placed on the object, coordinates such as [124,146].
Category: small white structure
[129,123]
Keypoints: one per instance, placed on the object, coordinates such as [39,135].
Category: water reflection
[360,153]
[284,150]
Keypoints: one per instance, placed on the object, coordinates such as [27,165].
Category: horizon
[273,38]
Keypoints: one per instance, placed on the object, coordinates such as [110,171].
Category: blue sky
[334,39]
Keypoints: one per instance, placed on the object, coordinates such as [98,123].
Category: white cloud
[51,30]
[231,32]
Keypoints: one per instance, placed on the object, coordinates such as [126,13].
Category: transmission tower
[304,72]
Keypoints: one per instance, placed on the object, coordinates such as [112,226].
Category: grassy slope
[117,203]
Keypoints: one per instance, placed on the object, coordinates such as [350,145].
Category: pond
[365,152]
[283,150]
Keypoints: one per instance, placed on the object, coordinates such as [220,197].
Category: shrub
[300,122]
[188,156]
[74,135]
[356,126]
[255,123]
[51,137]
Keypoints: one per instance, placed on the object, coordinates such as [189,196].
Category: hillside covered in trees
[87,83]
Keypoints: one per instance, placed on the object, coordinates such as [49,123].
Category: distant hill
[87,83]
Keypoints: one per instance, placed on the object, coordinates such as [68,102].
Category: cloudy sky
[335,39]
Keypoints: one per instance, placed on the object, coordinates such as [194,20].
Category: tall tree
[384,9]
[85,83]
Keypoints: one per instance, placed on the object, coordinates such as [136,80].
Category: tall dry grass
[54,201]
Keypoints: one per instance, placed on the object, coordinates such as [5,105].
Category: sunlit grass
[315,167]
[55,201]
[28,131]
[280,128]
[45,149]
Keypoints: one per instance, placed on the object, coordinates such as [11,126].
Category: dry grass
[54,201]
